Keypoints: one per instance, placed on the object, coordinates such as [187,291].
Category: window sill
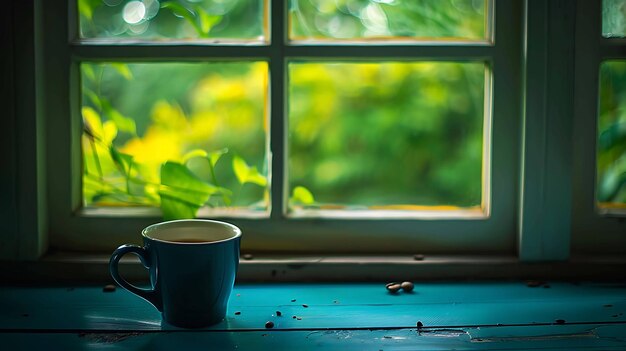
[93,268]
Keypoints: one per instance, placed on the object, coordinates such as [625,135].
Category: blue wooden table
[461,316]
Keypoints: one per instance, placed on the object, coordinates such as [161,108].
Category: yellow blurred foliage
[204,126]
[155,147]
[168,116]
[104,133]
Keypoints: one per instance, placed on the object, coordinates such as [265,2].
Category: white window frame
[75,229]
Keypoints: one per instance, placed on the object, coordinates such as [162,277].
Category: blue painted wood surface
[480,316]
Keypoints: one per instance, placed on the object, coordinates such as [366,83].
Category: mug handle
[150,295]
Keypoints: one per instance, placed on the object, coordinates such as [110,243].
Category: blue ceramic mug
[192,266]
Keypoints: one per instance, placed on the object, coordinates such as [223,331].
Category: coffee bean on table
[269,324]
[393,287]
[278,313]
[109,288]
[305,306]
[418,257]
[534,283]
[237,313]
[407,286]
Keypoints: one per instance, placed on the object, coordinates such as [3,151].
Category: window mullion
[164,53]
[501,137]
[612,48]
[277,109]
[431,52]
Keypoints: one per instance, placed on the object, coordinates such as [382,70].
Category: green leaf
[207,21]
[123,69]
[122,122]
[213,157]
[178,10]
[612,180]
[92,124]
[91,187]
[302,195]
[85,8]
[246,173]
[182,193]
[88,72]
[109,131]
[93,97]
[216,155]
[123,161]
[194,153]
[241,169]
[181,11]
[172,209]
[614,134]
[256,178]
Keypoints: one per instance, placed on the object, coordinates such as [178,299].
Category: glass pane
[387,19]
[612,135]
[614,18]
[175,135]
[390,135]
[172,19]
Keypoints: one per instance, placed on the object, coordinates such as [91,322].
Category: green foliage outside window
[614,18]
[171,19]
[394,135]
[176,136]
[388,19]
[182,136]
[611,158]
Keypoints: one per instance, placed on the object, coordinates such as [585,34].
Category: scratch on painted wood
[583,335]
[442,332]
[108,338]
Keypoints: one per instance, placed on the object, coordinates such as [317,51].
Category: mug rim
[236,230]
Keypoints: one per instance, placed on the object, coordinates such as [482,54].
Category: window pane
[191,133]
[386,135]
[172,19]
[613,18]
[388,19]
[612,135]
